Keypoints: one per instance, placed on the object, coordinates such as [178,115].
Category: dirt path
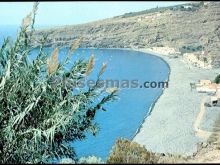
[199,132]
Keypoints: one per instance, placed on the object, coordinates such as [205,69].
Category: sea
[124,116]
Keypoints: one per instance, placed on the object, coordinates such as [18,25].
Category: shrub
[67,161]
[39,111]
[90,160]
[125,151]
[205,59]
[217,79]
[190,49]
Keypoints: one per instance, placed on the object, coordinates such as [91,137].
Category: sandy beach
[170,128]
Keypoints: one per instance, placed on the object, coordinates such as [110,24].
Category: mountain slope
[190,27]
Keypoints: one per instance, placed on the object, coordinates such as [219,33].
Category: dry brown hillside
[188,28]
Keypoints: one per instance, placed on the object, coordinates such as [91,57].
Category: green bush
[217,79]
[190,49]
[125,151]
[39,112]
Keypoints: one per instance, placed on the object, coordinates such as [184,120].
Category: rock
[204,145]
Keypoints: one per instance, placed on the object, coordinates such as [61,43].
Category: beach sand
[170,126]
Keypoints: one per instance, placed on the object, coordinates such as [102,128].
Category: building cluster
[213,89]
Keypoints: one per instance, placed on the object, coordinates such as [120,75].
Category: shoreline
[150,109]
[153,104]
[150,53]
[148,114]
[151,134]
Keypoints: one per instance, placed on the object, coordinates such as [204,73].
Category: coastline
[148,114]
[153,104]
[165,130]
[150,53]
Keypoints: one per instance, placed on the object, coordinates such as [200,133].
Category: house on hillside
[206,86]
[187,6]
[204,82]
[215,100]
[211,89]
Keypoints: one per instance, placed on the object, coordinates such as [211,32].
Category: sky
[69,13]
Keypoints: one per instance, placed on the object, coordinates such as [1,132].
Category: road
[199,132]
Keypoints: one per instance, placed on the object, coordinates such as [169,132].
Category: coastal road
[199,132]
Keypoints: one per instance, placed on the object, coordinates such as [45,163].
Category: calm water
[124,116]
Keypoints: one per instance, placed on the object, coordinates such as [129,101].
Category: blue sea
[124,116]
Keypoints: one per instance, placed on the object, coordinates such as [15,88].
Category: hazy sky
[67,13]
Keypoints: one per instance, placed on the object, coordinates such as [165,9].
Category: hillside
[193,27]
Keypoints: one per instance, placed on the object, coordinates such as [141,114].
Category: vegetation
[90,160]
[188,7]
[148,11]
[125,151]
[38,114]
[83,160]
[190,49]
[217,79]
[192,7]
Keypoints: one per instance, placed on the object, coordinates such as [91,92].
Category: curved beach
[169,128]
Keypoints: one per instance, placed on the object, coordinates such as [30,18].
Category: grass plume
[40,114]
[27,20]
[103,68]
[75,45]
[53,62]
[90,65]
